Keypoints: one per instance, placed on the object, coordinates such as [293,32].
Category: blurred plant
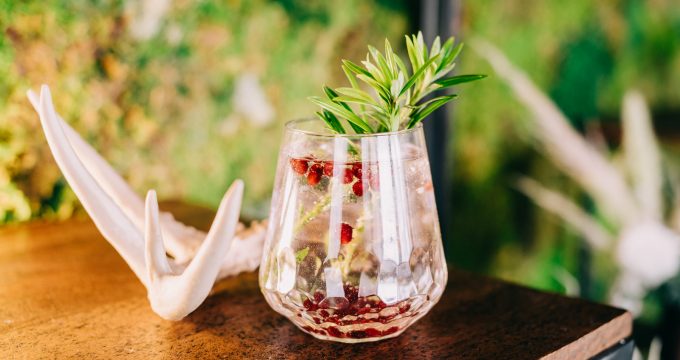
[644,241]
[202,87]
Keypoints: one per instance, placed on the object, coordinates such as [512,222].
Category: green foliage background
[160,110]
[585,55]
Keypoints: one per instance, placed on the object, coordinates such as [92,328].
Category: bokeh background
[186,96]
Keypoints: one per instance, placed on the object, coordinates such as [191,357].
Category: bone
[136,230]
[173,296]
[107,216]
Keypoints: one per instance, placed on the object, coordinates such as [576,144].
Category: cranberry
[404,308]
[314,175]
[300,166]
[364,310]
[318,296]
[371,332]
[391,330]
[351,293]
[345,233]
[348,176]
[328,168]
[358,188]
[309,305]
[333,331]
[356,170]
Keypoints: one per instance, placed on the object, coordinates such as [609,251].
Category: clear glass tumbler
[353,250]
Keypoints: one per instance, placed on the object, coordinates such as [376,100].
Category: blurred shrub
[585,54]
[181,96]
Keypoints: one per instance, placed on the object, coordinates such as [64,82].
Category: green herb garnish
[301,254]
[397,100]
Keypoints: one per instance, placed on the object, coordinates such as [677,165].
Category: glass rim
[292,126]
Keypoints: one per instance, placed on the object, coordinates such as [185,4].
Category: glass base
[361,319]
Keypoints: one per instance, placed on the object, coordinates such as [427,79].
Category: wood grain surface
[65,293]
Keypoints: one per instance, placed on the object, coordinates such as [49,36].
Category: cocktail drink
[353,250]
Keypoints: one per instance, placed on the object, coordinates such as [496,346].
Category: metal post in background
[440,18]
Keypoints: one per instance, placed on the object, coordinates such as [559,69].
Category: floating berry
[300,166]
[345,233]
[328,168]
[348,176]
[356,170]
[358,188]
[314,176]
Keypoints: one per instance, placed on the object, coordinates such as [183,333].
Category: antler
[137,231]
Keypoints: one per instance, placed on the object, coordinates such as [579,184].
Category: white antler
[175,286]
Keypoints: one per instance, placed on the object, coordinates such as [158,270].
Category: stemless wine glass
[353,250]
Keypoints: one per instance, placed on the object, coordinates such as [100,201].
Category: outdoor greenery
[184,98]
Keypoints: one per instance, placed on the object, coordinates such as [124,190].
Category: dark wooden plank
[65,293]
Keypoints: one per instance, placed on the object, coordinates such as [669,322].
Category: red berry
[307,304]
[358,188]
[404,308]
[345,233]
[318,296]
[299,165]
[363,310]
[348,176]
[328,168]
[314,175]
[371,332]
[333,331]
[391,330]
[356,169]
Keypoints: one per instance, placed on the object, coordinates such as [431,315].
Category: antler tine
[181,240]
[106,177]
[154,251]
[174,296]
[106,214]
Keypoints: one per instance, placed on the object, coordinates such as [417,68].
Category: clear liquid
[356,255]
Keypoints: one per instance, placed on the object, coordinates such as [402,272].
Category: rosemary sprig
[396,100]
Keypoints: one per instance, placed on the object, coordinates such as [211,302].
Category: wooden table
[65,293]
